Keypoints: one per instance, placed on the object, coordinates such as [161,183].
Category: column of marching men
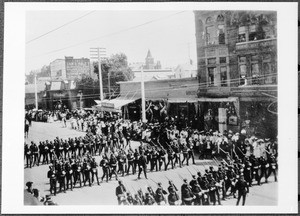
[72,162]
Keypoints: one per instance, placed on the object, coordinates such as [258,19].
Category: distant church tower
[149,61]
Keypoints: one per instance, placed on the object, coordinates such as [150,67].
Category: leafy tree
[115,69]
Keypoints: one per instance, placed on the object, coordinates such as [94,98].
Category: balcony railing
[256,44]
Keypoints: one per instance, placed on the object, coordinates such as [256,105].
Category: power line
[59,27]
[111,34]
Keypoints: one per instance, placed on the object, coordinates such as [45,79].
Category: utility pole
[109,84]
[35,91]
[143,96]
[97,53]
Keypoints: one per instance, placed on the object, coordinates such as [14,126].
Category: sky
[50,35]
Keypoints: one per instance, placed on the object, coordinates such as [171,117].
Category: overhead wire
[59,27]
[111,34]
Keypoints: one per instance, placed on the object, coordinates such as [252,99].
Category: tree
[116,67]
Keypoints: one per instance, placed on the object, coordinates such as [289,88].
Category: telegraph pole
[35,91]
[98,53]
[143,96]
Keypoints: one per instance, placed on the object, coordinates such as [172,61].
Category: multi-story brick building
[237,70]
[70,68]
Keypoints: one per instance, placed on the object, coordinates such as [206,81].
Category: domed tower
[149,61]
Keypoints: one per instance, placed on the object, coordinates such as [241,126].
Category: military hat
[48,197]
[199,173]
[185,180]
[159,183]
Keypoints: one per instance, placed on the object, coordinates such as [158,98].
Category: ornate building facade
[237,69]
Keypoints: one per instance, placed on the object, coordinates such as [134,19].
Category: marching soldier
[130,159]
[196,190]
[121,193]
[69,175]
[187,195]
[135,161]
[27,153]
[105,167]
[142,165]
[185,154]
[77,170]
[159,195]
[173,198]
[35,152]
[170,158]
[94,170]
[264,168]
[149,200]
[113,166]
[242,188]
[191,151]
[273,167]
[52,177]
[162,158]
[153,160]
[61,174]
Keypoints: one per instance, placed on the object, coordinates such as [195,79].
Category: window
[267,70]
[221,34]
[242,59]
[253,33]
[243,70]
[208,20]
[220,18]
[223,76]
[210,35]
[211,76]
[211,61]
[255,73]
[242,34]
[222,60]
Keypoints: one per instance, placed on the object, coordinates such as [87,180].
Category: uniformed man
[149,200]
[135,161]
[142,165]
[185,154]
[94,170]
[121,193]
[273,167]
[191,151]
[187,195]
[105,168]
[173,198]
[53,180]
[77,168]
[28,157]
[69,175]
[61,174]
[160,195]
[170,158]
[113,166]
[130,159]
[242,188]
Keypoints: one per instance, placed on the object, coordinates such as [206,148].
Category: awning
[182,100]
[229,99]
[113,105]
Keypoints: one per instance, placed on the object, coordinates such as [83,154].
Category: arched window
[208,20]
[220,18]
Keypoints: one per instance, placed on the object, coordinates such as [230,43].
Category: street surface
[266,194]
